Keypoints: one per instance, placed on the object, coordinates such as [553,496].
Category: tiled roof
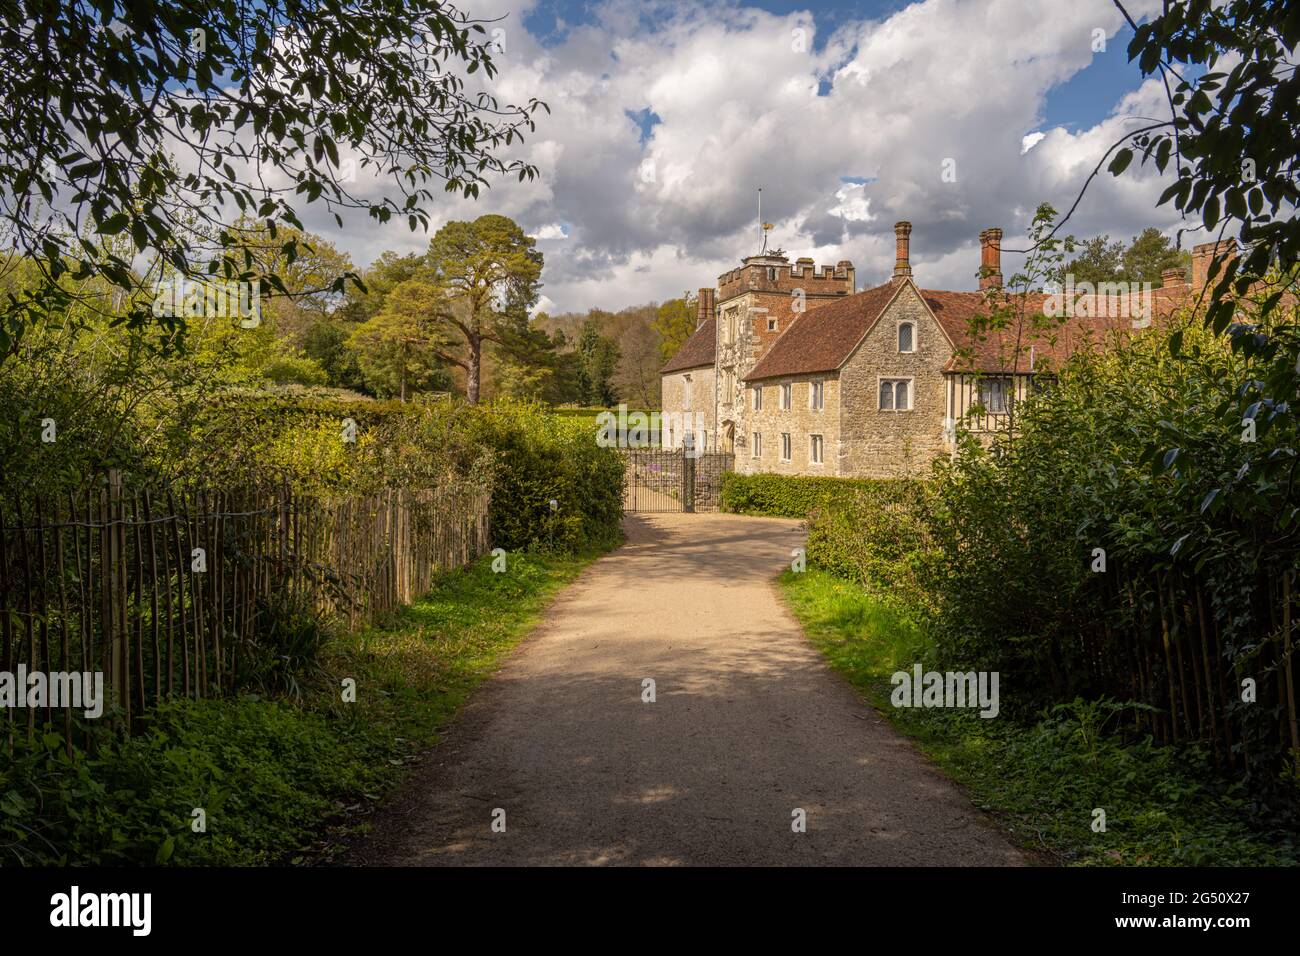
[822,338]
[1045,343]
[696,351]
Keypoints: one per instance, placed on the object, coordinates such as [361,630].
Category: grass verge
[1163,807]
[267,774]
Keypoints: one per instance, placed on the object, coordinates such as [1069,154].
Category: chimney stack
[902,267]
[1204,254]
[703,307]
[1171,277]
[991,259]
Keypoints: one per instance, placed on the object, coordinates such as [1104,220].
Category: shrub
[879,538]
[791,496]
[539,458]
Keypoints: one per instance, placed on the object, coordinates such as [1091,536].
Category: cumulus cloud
[1030,140]
[845,136]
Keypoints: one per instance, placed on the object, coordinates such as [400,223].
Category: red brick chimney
[1172,277]
[1204,254]
[704,307]
[902,267]
[991,259]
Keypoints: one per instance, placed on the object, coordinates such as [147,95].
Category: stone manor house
[796,372]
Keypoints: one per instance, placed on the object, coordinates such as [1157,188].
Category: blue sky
[666,117]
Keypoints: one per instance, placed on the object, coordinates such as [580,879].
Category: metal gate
[661,479]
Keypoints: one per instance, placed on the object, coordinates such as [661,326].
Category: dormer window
[906,337]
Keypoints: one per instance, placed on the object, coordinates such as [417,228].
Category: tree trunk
[472,368]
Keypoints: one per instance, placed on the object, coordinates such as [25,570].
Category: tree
[1149,255]
[534,370]
[1231,136]
[308,275]
[597,360]
[675,323]
[1100,261]
[398,348]
[489,275]
[640,358]
[384,274]
[326,343]
[1008,318]
[1145,258]
[262,105]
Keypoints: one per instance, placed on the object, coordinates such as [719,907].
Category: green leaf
[113,224]
[165,850]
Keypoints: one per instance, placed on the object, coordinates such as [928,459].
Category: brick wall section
[754,276]
[875,443]
[800,421]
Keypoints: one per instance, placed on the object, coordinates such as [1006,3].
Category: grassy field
[1044,782]
[278,780]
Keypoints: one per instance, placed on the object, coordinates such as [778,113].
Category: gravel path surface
[748,724]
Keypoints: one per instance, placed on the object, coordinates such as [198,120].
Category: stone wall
[702,394]
[799,421]
[876,443]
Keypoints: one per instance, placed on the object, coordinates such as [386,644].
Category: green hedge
[526,455]
[540,458]
[792,496]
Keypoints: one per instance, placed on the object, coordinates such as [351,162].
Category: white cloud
[1030,140]
[738,108]
[853,203]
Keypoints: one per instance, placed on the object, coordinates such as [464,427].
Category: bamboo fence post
[63,626]
[47,662]
[1286,644]
[153,599]
[27,611]
[6,623]
[180,592]
[139,604]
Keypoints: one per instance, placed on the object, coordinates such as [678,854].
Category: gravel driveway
[747,725]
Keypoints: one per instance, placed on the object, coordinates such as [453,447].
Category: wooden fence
[166,594]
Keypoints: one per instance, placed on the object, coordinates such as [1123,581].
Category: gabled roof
[821,339]
[1045,343]
[697,351]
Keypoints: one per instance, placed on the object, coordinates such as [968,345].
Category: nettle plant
[162,121]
